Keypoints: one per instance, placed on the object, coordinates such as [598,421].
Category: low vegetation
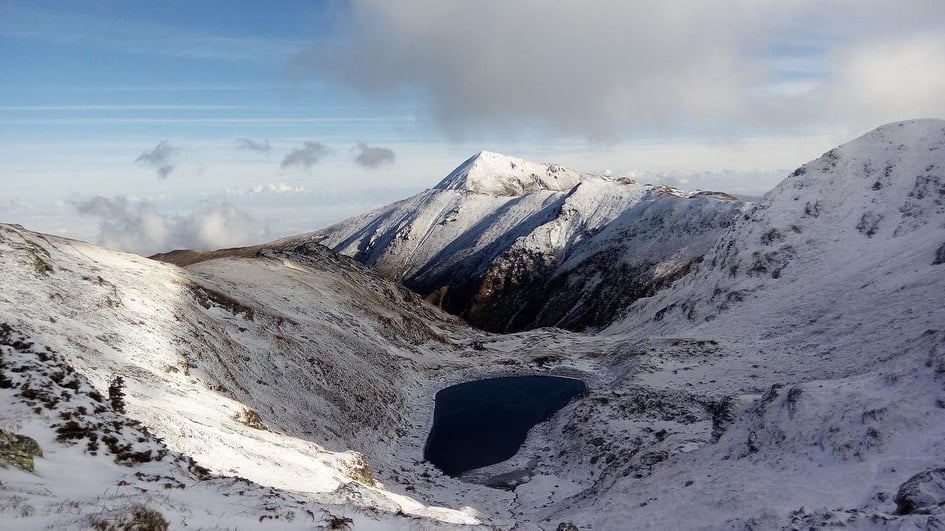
[18,450]
[136,517]
[250,417]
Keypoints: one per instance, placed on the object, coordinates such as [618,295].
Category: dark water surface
[484,422]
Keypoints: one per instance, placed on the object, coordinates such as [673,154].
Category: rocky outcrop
[939,255]
[923,493]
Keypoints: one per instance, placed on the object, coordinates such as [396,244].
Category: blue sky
[725,96]
[196,69]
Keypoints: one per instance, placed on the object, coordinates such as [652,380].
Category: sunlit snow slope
[324,350]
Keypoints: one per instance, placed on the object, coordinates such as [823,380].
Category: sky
[152,125]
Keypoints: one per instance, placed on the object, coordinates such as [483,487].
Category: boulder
[923,493]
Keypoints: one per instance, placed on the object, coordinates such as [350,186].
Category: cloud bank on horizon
[601,69]
[141,227]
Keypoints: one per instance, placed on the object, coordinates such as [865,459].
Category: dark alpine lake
[484,422]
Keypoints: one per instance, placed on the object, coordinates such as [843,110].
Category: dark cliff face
[522,293]
[587,284]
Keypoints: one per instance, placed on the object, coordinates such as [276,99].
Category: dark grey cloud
[160,158]
[306,156]
[252,145]
[373,156]
[603,68]
[141,227]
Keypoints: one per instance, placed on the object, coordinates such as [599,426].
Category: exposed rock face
[924,493]
[511,245]
[939,255]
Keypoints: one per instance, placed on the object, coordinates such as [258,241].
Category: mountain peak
[916,125]
[893,158]
[493,173]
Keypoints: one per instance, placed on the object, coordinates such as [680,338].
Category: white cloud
[277,188]
[602,68]
[141,227]
[890,80]
[746,183]
[10,206]
[591,67]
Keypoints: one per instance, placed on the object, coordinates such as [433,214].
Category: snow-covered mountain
[510,244]
[794,378]
[828,296]
[864,222]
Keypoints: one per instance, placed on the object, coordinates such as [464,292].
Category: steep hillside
[293,367]
[85,465]
[826,300]
[848,241]
[315,349]
[510,244]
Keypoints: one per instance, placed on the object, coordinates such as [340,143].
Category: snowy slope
[319,354]
[340,364]
[854,233]
[496,237]
[98,468]
[827,301]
